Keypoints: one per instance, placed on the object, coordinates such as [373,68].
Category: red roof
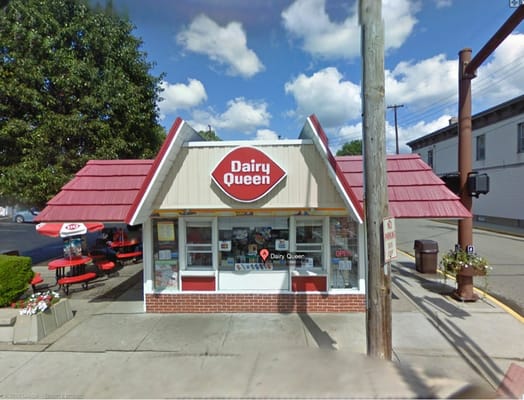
[414,190]
[119,190]
[101,191]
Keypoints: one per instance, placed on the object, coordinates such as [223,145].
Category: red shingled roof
[101,191]
[414,190]
[111,190]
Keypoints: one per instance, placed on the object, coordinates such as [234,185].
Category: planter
[32,328]
[465,270]
[470,271]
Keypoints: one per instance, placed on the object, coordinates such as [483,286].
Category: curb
[481,292]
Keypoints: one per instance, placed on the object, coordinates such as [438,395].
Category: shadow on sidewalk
[433,308]
[120,289]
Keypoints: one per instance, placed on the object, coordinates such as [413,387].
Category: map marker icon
[264,253]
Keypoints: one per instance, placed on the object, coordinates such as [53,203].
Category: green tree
[209,135]
[353,148]
[74,86]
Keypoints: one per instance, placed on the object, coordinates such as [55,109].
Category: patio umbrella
[68,229]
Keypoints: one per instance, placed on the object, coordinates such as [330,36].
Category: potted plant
[40,314]
[460,262]
[463,266]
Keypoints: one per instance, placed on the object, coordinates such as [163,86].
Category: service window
[309,243]
[199,248]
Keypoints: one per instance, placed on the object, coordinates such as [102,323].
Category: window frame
[310,248]
[198,248]
[480,147]
[520,137]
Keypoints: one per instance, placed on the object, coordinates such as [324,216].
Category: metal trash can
[426,254]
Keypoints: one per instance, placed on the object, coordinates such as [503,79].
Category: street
[503,252]
[25,239]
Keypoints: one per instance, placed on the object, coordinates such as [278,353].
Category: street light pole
[467,71]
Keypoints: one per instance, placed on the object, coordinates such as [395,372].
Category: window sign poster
[166,275]
[166,232]
[281,245]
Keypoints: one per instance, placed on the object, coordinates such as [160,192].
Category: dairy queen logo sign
[247,174]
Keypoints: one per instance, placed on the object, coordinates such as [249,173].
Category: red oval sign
[246,174]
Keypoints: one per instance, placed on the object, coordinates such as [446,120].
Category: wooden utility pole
[378,315]
[394,107]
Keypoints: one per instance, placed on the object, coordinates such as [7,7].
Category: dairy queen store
[261,226]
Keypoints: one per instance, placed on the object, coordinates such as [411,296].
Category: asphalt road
[503,252]
[25,239]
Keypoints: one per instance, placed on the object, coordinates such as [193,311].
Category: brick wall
[252,303]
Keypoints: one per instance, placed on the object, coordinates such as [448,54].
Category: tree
[74,86]
[353,148]
[209,135]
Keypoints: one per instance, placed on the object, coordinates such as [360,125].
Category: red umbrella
[67,229]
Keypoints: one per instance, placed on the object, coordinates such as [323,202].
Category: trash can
[426,254]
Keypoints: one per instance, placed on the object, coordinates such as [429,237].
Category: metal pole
[378,290]
[465,225]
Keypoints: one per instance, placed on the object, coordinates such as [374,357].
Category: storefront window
[309,240]
[199,248]
[241,239]
[165,256]
[344,253]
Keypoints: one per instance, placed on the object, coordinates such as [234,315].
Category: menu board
[166,231]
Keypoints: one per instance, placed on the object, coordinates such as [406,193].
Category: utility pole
[394,107]
[467,71]
[378,290]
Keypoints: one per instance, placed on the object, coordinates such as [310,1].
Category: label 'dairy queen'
[247,174]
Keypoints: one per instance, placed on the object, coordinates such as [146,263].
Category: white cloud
[421,128]
[443,3]
[502,76]
[308,21]
[241,116]
[423,83]
[179,96]
[266,134]
[225,45]
[325,94]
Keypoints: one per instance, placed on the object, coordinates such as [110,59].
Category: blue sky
[255,69]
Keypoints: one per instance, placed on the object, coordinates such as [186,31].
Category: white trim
[166,162]
[332,174]
[253,143]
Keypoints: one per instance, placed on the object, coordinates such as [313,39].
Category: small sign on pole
[390,239]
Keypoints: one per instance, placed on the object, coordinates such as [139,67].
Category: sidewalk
[112,349]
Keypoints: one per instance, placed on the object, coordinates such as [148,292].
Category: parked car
[27,215]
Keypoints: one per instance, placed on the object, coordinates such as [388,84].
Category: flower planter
[470,271]
[32,328]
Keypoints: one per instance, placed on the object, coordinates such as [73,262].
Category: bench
[37,279]
[128,256]
[84,279]
[105,266]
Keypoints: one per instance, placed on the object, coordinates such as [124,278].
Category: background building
[497,150]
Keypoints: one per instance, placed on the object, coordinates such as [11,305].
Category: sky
[256,69]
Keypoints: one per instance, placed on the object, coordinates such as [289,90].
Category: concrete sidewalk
[112,349]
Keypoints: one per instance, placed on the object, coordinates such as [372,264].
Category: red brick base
[254,303]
